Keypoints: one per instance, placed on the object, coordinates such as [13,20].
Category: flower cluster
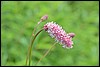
[56,31]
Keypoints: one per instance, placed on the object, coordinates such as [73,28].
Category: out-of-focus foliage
[18,19]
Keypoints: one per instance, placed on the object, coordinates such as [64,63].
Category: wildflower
[56,31]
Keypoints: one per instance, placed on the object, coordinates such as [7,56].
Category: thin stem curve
[32,45]
[46,53]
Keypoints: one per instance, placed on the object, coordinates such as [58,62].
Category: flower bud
[45,17]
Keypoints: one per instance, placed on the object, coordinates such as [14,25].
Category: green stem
[30,41]
[31,46]
[46,53]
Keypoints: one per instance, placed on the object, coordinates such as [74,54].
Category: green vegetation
[18,19]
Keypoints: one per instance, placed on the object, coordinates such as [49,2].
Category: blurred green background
[18,19]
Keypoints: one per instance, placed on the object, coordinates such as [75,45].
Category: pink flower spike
[56,31]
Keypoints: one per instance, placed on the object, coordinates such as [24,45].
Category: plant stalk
[30,48]
[46,53]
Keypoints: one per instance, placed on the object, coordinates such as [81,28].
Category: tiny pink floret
[55,31]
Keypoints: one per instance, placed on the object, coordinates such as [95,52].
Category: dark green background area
[18,19]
